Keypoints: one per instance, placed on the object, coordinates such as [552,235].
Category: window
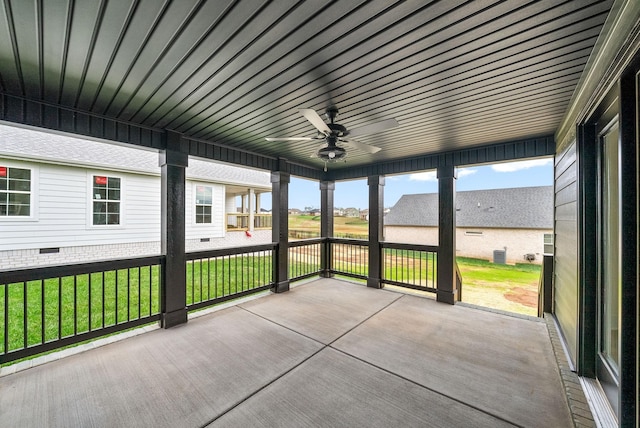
[548,243]
[204,202]
[473,233]
[15,192]
[106,200]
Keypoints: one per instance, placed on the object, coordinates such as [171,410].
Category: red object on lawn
[246,232]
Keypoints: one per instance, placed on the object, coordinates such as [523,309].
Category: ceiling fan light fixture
[332,153]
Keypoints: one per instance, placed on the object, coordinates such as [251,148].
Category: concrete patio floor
[326,353]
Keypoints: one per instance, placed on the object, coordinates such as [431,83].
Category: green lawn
[307,226]
[221,277]
[128,295]
[505,287]
[60,307]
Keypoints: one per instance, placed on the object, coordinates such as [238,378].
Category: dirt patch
[523,296]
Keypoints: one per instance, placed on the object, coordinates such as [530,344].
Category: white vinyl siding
[215,229]
[64,212]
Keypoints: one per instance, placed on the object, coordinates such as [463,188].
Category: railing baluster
[42,312]
[5,349]
[128,294]
[75,305]
[59,307]
[25,325]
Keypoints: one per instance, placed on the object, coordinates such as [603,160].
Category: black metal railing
[42,309]
[305,258]
[218,275]
[410,265]
[349,257]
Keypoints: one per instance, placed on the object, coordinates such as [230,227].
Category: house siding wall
[62,219]
[216,228]
[518,241]
[566,247]
[63,204]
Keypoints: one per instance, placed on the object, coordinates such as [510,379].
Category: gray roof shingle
[518,208]
[27,144]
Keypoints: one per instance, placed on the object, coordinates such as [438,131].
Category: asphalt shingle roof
[518,208]
[27,144]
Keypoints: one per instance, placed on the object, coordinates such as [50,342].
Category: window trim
[90,200]
[33,206]
[545,243]
[194,205]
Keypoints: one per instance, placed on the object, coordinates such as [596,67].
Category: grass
[344,227]
[512,288]
[56,308]
[60,307]
[221,277]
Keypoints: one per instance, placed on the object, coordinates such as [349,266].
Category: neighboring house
[295,211]
[72,200]
[364,215]
[351,212]
[518,221]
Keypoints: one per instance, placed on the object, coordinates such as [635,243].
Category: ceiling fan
[337,137]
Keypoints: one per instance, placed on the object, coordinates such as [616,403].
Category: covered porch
[329,352]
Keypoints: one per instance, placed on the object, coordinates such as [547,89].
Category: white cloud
[432,175]
[466,172]
[424,176]
[517,166]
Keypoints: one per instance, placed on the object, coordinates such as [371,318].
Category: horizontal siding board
[567,212]
[565,179]
[565,161]
[567,194]
[217,227]
[566,248]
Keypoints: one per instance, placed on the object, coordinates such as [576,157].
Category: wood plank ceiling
[454,74]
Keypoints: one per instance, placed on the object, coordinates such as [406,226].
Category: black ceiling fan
[337,136]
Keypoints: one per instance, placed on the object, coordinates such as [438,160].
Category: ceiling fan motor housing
[338,130]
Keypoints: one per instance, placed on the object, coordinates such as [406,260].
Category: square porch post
[252,210]
[326,225]
[173,163]
[446,287]
[280,229]
[376,213]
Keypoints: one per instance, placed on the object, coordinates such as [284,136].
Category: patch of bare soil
[523,296]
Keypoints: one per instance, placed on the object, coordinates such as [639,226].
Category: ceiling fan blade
[374,127]
[290,139]
[361,146]
[315,119]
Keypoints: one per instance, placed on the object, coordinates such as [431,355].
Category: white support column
[251,210]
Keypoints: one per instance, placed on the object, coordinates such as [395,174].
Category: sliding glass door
[609,290]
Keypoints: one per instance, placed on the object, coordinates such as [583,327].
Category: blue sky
[537,172]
